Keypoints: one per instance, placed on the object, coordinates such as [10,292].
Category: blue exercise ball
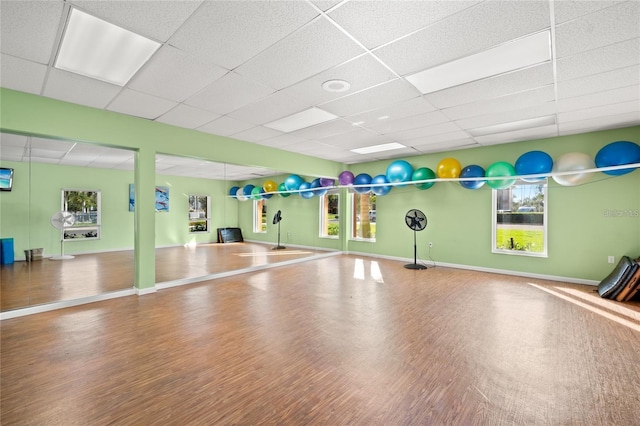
[533,163]
[383,189]
[472,171]
[399,171]
[263,194]
[362,179]
[246,190]
[318,188]
[233,191]
[617,154]
[305,190]
[292,182]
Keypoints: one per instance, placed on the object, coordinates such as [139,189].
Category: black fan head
[415,220]
[277,217]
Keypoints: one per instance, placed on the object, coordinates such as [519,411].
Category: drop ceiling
[231,68]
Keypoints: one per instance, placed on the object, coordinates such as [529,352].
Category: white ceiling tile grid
[231,68]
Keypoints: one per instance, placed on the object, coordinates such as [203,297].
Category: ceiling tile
[567,10]
[229,93]
[9,139]
[599,82]
[225,126]
[446,146]
[602,59]
[78,89]
[140,104]
[175,75]
[256,134]
[28,28]
[355,139]
[362,72]
[379,22]
[187,116]
[283,141]
[600,123]
[154,19]
[601,111]
[51,145]
[12,153]
[415,106]
[371,99]
[608,26]
[20,74]
[224,32]
[437,139]
[268,109]
[493,87]
[519,135]
[421,132]
[47,153]
[539,110]
[502,104]
[484,27]
[323,130]
[407,123]
[623,94]
[311,50]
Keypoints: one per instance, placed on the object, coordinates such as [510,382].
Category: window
[199,208]
[329,223]
[84,205]
[260,215]
[520,219]
[363,216]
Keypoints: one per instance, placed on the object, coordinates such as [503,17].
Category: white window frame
[323,230]
[196,215]
[353,219]
[260,220]
[517,250]
[76,229]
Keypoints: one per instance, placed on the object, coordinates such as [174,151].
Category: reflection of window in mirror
[329,221]
[84,205]
[520,219]
[260,216]
[199,208]
[363,216]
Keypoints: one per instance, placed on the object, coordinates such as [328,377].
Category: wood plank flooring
[25,284]
[344,340]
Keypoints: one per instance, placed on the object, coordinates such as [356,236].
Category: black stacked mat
[623,283]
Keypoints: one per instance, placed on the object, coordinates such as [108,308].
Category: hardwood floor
[344,340]
[25,284]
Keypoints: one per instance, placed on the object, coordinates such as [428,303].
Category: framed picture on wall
[162,198]
[6,179]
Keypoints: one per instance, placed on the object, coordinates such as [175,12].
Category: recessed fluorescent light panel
[378,148]
[306,118]
[97,49]
[513,126]
[516,54]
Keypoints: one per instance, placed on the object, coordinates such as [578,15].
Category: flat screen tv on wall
[6,179]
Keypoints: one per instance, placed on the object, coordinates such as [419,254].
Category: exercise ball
[292,182]
[327,182]
[255,193]
[345,178]
[399,171]
[264,194]
[240,195]
[573,161]
[500,168]
[282,191]
[448,168]
[383,189]
[270,186]
[362,179]
[423,173]
[618,154]
[305,190]
[317,187]
[233,191]
[246,190]
[533,163]
[472,171]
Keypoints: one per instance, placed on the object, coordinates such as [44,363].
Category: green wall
[580,235]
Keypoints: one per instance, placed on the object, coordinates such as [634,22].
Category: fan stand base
[62,257]
[278,248]
[414,266]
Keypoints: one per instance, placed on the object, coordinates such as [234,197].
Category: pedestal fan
[61,221]
[276,219]
[416,221]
